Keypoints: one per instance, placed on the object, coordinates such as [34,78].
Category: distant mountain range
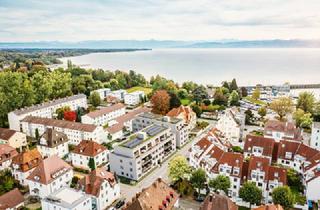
[152,44]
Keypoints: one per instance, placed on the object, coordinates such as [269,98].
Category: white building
[315,135]
[7,153]
[231,123]
[177,126]
[67,199]
[49,176]
[104,115]
[119,94]
[102,186]
[186,114]
[134,98]
[24,163]
[282,131]
[312,179]
[142,152]
[103,92]
[12,200]
[13,138]
[82,153]
[46,109]
[53,143]
[75,131]
[258,146]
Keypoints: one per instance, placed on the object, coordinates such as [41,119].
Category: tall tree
[221,182]
[174,100]
[219,97]
[262,111]
[179,168]
[256,94]
[282,106]
[244,92]
[283,196]
[234,99]
[160,102]
[225,84]
[198,179]
[92,164]
[197,109]
[306,101]
[233,85]
[95,99]
[250,193]
[199,94]
[303,120]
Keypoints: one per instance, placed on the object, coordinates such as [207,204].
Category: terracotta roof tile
[185,111]
[7,152]
[89,148]
[6,134]
[27,160]
[235,160]
[259,141]
[288,128]
[11,199]
[53,138]
[269,207]
[105,110]
[218,202]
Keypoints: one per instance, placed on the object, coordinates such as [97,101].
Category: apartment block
[315,135]
[133,98]
[13,138]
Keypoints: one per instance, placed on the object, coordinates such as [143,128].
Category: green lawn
[144,89]
[259,102]
[185,101]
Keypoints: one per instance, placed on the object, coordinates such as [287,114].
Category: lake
[211,66]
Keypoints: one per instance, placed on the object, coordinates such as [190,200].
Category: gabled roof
[289,128]
[27,160]
[7,152]
[105,110]
[286,147]
[185,111]
[49,169]
[277,173]
[53,138]
[235,160]
[260,163]
[6,134]
[259,141]
[218,202]
[89,148]
[269,207]
[11,199]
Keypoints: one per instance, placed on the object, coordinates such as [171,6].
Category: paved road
[128,191]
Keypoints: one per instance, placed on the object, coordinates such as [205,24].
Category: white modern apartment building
[102,186]
[177,126]
[119,94]
[67,199]
[231,123]
[75,132]
[82,153]
[46,110]
[104,115]
[7,153]
[142,151]
[13,138]
[52,143]
[133,98]
[315,136]
[50,175]
[103,92]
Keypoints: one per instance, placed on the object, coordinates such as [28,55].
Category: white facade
[46,110]
[103,92]
[119,94]
[60,150]
[315,136]
[17,140]
[67,199]
[82,161]
[21,176]
[143,151]
[133,98]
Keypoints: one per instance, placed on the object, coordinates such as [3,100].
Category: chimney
[166,119]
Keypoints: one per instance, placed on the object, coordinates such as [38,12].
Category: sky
[77,20]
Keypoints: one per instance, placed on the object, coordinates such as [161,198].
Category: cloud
[75,20]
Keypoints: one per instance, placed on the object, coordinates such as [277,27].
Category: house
[315,135]
[102,186]
[104,115]
[86,150]
[134,98]
[67,198]
[7,153]
[33,126]
[142,152]
[53,142]
[119,94]
[157,196]
[278,130]
[259,146]
[46,109]
[186,114]
[269,207]
[217,202]
[123,123]
[13,138]
[103,92]
[311,178]
[50,175]
[177,126]
[24,163]
[231,123]
[11,200]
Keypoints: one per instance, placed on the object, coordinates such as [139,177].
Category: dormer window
[288,155]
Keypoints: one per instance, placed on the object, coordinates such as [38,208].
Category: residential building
[278,130]
[87,150]
[24,163]
[315,135]
[67,198]
[311,175]
[259,146]
[269,207]
[119,94]
[122,124]
[157,196]
[12,200]
[50,175]
[177,126]
[103,92]
[142,152]
[102,186]
[53,142]
[7,153]
[13,138]
[104,115]
[218,202]
[134,98]
[186,114]
[75,131]
[231,123]
[46,109]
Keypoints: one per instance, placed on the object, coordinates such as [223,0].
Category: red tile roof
[260,163]
[105,110]
[259,141]
[235,160]
[287,146]
[89,148]
[6,134]
[11,199]
[288,128]
[185,111]
[269,207]
[7,152]
[277,173]
[218,202]
[27,160]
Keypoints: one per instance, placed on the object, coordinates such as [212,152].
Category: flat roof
[158,117]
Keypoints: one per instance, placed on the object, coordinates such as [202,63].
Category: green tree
[92,164]
[198,179]
[262,111]
[95,99]
[248,117]
[244,92]
[234,99]
[237,149]
[256,94]
[225,84]
[221,182]
[178,168]
[233,85]
[197,109]
[283,196]
[61,84]
[174,100]
[303,120]
[294,180]
[250,193]
[199,94]
[60,112]
[316,112]
[37,135]
[306,101]
[189,86]
[282,106]
[182,93]
[207,102]
[219,97]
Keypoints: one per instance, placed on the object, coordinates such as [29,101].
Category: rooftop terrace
[158,117]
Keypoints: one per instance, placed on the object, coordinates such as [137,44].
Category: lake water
[211,66]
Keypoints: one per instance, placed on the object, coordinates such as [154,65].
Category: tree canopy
[283,196]
[306,101]
[178,168]
[282,106]
[198,179]
[250,193]
[221,182]
[161,102]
